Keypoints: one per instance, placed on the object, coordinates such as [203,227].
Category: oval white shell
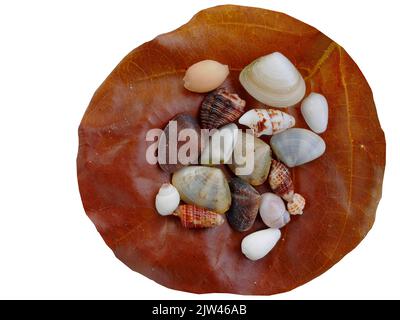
[297,146]
[220,146]
[167,199]
[267,121]
[273,211]
[258,244]
[314,109]
[205,75]
[273,80]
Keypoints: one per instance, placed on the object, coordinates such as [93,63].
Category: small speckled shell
[194,217]
[280,180]
[219,108]
[267,121]
[245,205]
[297,204]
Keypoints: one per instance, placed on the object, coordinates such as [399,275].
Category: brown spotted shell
[219,108]
[280,180]
[297,204]
[245,205]
[194,217]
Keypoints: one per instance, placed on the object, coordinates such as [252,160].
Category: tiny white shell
[273,211]
[258,244]
[205,76]
[220,146]
[314,109]
[273,80]
[167,199]
[267,121]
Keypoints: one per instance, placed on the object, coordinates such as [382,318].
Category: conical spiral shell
[194,217]
[297,204]
[280,180]
[219,108]
[245,205]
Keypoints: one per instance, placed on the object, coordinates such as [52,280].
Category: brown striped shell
[297,204]
[194,217]
[219,108]
[280,180]
[245,205]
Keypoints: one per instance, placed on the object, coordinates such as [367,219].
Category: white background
[54,54]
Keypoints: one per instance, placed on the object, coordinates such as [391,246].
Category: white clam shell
[220,146]
[273,211]
[273,80]
[297,146]
[314,109]
[258,244]
[167,199]
[267,121]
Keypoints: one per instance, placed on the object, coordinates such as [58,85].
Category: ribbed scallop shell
[219,108]
[194,217]
[205,187]
[245,205]
[297,204]
[267,121]
[280,180]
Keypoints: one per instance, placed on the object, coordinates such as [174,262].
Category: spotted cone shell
[219,108]
[297,204]
[194,217]
[280,180]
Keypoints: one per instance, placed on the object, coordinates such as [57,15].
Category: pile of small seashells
[274,81]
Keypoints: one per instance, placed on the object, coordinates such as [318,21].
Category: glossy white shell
[167,199]
[273,80]
[258,244]
[267,121]
[273,211]
[297,146]
[314,109]
[220,146]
